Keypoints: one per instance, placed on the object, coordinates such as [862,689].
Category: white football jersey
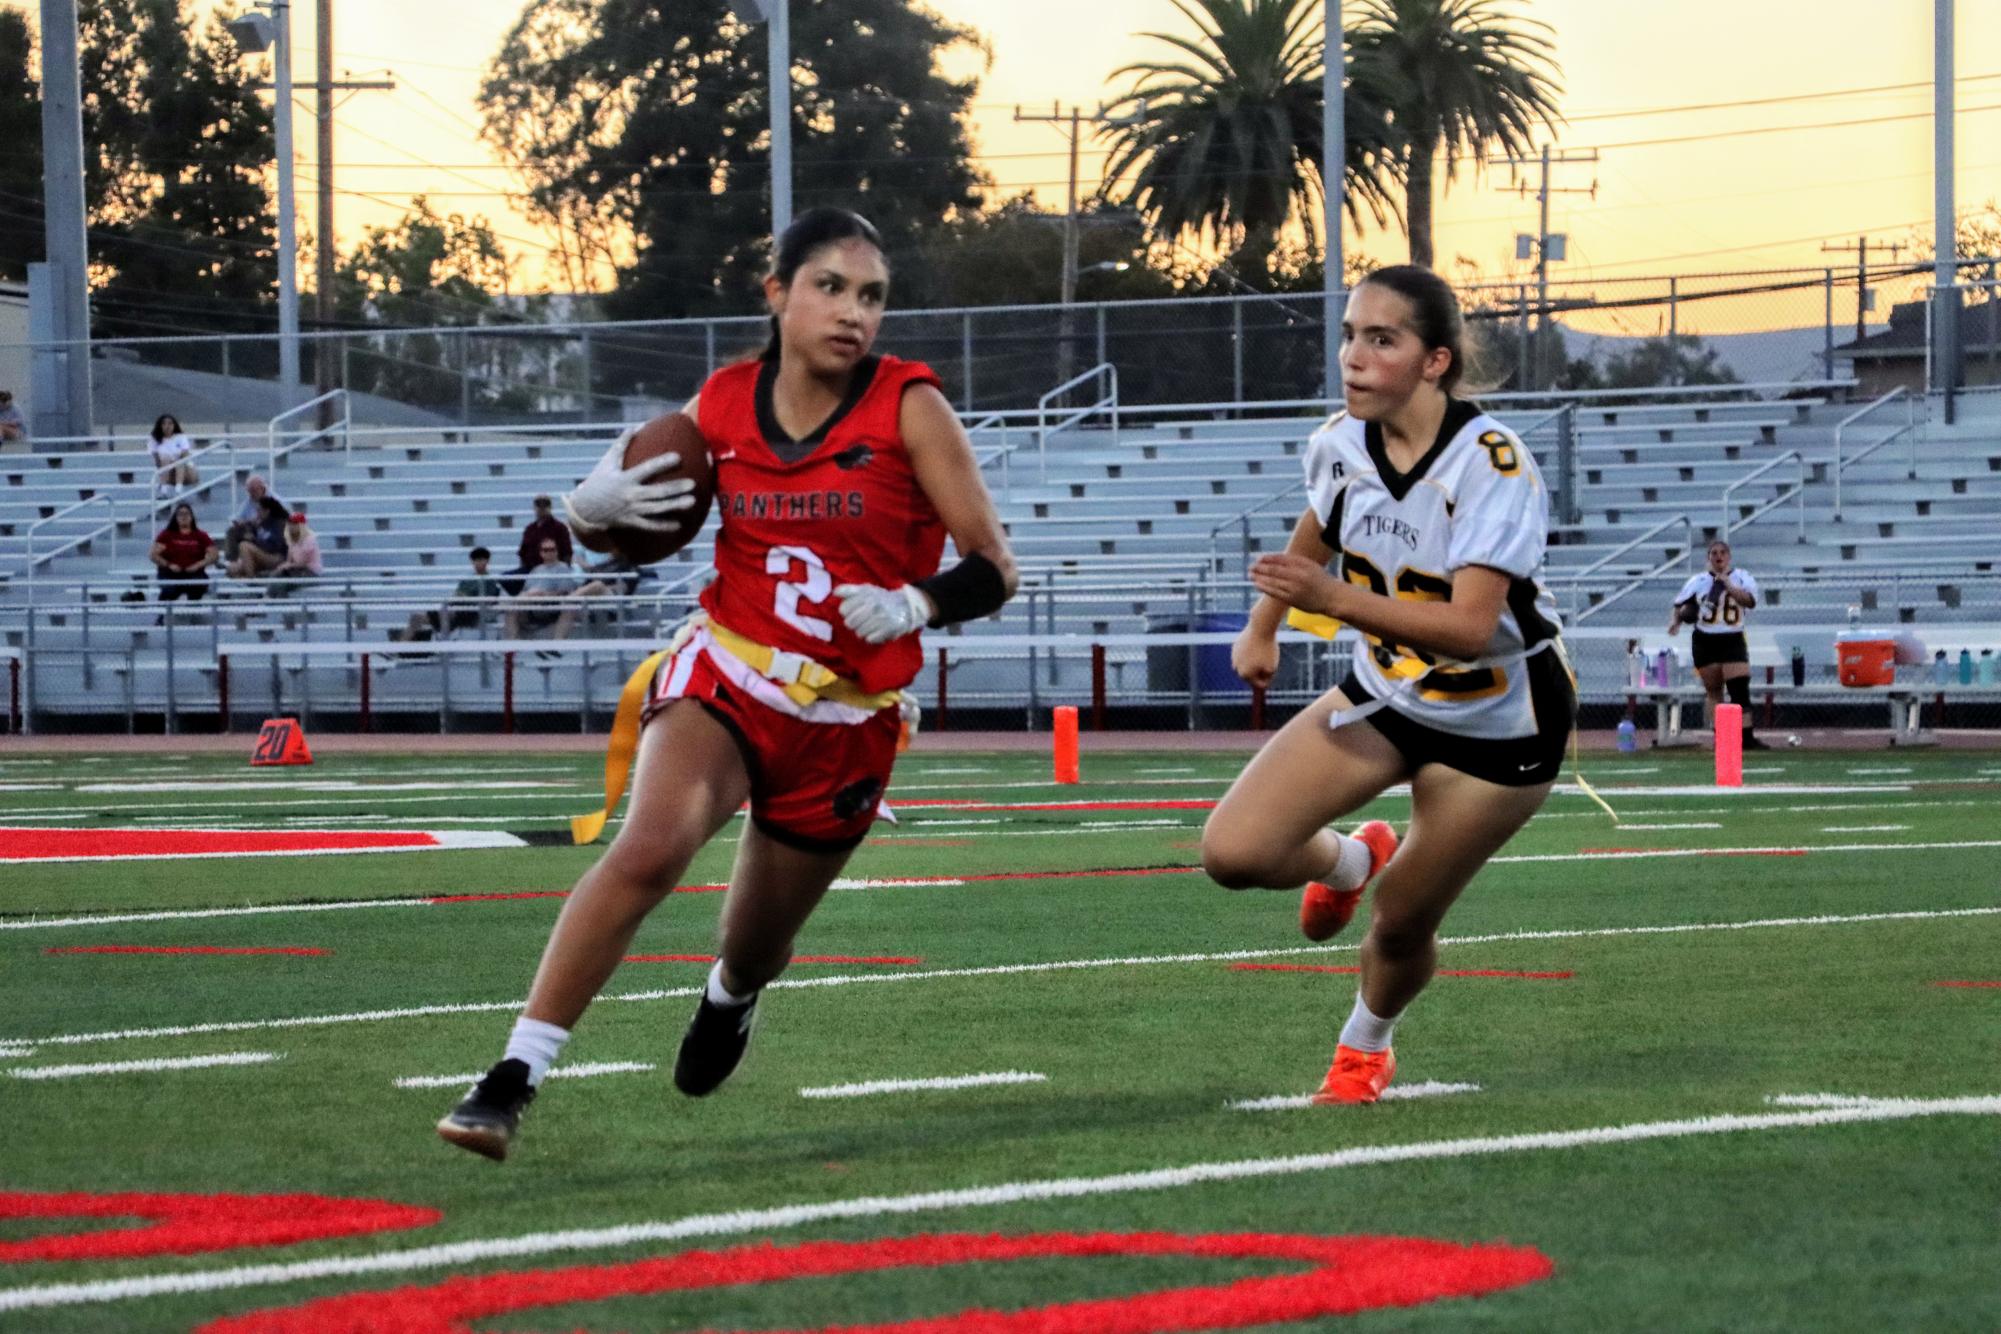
[1719,615]
[1475,498]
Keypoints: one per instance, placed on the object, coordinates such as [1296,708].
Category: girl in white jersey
[1435,521]
[1716,604]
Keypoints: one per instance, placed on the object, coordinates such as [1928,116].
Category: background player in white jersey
[1716,604]
[1439,519]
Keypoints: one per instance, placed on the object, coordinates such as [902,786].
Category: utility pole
[1945,257]
[323,279]
[1076,120]
[1333,180]
[1861,249]
[1546,246]
[59,290]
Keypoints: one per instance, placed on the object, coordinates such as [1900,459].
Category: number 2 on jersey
[813,586]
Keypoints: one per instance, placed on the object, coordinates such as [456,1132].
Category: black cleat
[712,1046]
[1754,743]
[485,1120]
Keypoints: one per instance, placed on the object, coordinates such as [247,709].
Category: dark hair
[479,553]
[1437,318]
[811,230]
[174,515]
[271,504]
[160,425]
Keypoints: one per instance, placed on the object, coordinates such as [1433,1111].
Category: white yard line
[1285,1102]
[459,1255]
[1701,824]
[445,840]
[192,914]
[583,1070]
[1864,828]
[991,970]
[873,1086]
[1886,769]
[144,1067]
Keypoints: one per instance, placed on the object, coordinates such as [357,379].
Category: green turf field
[1747,1103]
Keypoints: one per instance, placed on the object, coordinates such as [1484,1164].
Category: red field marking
[966,804]
[1443,972]
[1967,984]
[196,1224]
[30,845]
[1348,1275]
[797,958]
[184,949]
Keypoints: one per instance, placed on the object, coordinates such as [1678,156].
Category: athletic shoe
[1324,910]
[1357,1076]
[486,1119]
[712,1046]
[1753,743]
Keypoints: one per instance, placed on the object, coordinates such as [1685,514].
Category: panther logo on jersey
[853,457]
[856,798]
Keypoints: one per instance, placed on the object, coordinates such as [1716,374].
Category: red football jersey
[850,511]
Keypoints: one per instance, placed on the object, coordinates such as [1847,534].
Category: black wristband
[971,589]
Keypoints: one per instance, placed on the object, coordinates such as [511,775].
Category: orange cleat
[1357,1076]
[1324,910]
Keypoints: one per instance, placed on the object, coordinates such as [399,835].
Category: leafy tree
[179,149]
[1225,142]
[1676,359]
[1013,255]
[1462,75]
[20,150]
[641,129]
[425,271]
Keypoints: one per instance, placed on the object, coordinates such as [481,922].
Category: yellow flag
[1313,623]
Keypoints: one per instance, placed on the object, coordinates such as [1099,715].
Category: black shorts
[1517,761]
[1712,649]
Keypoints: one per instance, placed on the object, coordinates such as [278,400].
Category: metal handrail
[166,504]
[1242,522]
[1797,493]
[1840,427]
[1577,578]
[1103,369]
[1003,451]
[343,425]
[98,498]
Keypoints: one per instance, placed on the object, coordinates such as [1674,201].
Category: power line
[1771,101]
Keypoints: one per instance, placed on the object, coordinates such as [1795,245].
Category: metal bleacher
[1120,526]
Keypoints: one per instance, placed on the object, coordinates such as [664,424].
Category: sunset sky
[1702,204]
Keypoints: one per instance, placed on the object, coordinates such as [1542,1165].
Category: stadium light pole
[776,17]
[272,30]
[1945,268]
[1333,182]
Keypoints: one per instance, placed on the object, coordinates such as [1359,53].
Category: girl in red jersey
[839,474]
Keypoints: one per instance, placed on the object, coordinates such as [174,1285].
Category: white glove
[614,496]
[879,615]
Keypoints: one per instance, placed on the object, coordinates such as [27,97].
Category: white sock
[1351,863]
[1365,1030]
[537,1044]
[719,994]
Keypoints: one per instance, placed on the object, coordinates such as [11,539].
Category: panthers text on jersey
[1474,498]
[1716,614]
[845,508]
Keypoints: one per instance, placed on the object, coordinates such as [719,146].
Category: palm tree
[1461,74]
[1226,142]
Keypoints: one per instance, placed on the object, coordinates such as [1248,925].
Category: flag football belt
[803,680]
[1327,627]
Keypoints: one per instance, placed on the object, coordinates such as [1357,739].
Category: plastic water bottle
[1627,742]
[1987,667]
[1664,667]
[1966,667]
[1854,618]
[1941,669]
[1636,667]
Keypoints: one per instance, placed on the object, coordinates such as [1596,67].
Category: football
[670,433]
[1686,612]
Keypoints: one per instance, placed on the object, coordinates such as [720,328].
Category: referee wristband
[969,590]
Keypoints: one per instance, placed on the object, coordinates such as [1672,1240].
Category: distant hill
[1771,355]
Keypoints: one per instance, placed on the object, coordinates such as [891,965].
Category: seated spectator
[546,593]
[302,550]
[13,426]
[545,526]
[463,611]
[262,548]
[182,553]
[170,449]
[246,519]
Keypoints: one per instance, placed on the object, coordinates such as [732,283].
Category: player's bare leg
[689,783]
[1712,684]
[1270,829]
[774,888]
[1457,823]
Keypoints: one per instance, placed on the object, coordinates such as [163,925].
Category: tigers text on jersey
[1718,615]
[843,506]
[1475,498]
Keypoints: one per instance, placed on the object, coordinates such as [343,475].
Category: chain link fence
[1755,326]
